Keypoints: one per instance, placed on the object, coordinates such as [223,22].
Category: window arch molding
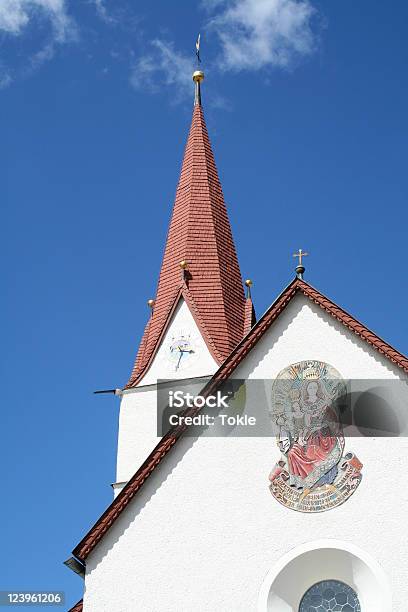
[325,559]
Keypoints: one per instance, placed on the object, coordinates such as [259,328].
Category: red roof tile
[238,354]
[199,233]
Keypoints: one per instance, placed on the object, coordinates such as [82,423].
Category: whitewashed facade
[204,532]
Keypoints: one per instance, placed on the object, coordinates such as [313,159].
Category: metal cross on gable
[300,254]
[300,267]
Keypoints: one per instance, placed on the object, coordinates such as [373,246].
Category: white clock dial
[181,350]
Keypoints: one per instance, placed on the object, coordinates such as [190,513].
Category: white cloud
[253,34]
[40,57]
[102,11]
[13,16]
[163,65]
[259,33]
[16,15]
[5,79]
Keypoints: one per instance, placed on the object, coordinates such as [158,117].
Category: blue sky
[306,105]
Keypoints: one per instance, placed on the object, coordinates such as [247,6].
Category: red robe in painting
[304,459]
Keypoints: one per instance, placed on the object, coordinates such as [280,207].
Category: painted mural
[313,473]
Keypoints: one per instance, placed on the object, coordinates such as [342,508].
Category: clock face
[181,350]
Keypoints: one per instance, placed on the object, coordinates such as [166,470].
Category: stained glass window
[330,596]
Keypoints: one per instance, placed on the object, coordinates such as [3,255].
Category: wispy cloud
[259,33]
[45,54]
[5,79]
[103,12]
[252,35]
[118,13]
[247,34]
[31,31]
[16,16]
[163,65]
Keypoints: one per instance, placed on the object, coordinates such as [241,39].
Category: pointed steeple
[200,262]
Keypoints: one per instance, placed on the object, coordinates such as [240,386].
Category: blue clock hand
[185,350]
[178,363]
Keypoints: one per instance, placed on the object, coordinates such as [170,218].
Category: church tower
[297,504]
[199,313]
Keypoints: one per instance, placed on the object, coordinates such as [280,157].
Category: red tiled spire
[200,234]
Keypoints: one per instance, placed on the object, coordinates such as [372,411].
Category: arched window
[328,565]
[330,596]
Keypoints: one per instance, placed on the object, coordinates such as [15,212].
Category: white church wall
[305,331]
[137,431]
[203,536]
[204,531]
[138,409]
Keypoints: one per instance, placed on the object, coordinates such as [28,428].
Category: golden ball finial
[150,303]
[248,282]
[198,76]
[184,264]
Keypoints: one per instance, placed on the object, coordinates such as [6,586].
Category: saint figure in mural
[305,412]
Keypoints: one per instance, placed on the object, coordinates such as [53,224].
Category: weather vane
[300,268]
[198,75]
[198,50]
